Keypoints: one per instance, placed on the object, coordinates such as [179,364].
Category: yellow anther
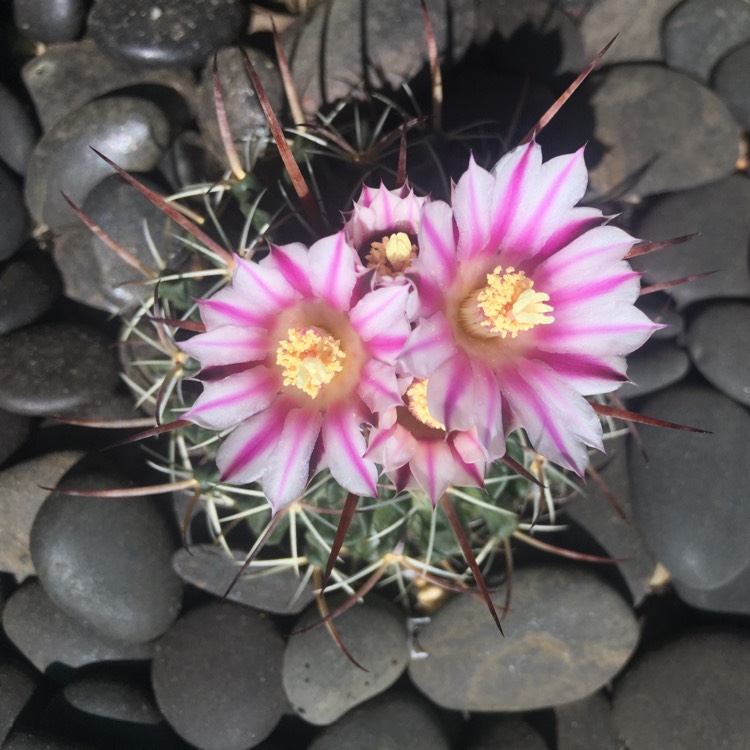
[416,400]
[393,255]
[507,305]
[310,358]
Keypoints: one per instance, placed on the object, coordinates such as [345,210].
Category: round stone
[656,365]
[50,20]
[719,342]
[209,568]
[586,724]
[174,32]
[731,82]
[21,496]
[721,213]
[66,76]
[654,711]
[52,640]
[320,681]
[17,684]
[217,677]
[509,732]
[13,219]
[680,116]
[108,696]
[394,720]
[638,34]
[55,368]
[567,633]
[329,46]
[132,132]
[29,285]
[120,583]
[689,501]
[19,132]
[700,32]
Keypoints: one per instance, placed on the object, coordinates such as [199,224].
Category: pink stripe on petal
[578,221]
[429,345]
[378,386]
[468,446]
[294,263]
[392,447]
[450,393]
[380,310]
[243,455]
[434,467]
[471,209]
[225,403]
[229,308]
[345,447]
[227,345]
[265,285]
[488,410]
[387,347]
[332,270]
[288,469]
[586,373]
[437,245]
[626,285]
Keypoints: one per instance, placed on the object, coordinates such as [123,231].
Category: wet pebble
[638,33]
[719,343]
[247,123]
[566,635]
[677,115]
[16,429]
[112,697]
[327,50]
[107,562]
[216,676]
[509,732]
[17,685]
[210,569]
[394,720]
[688,694]
[530,37]
[586,724]
[700,32]
[19,132]
[51,639]
[13,220]
[132,132]
[29,285]
[21,496]
[66,76]
[656,365]
[320,681]
[730,81]
[721,213]
[50,20]
[174,32]
[55,368]
[690,500]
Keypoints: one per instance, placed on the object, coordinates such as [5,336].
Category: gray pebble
[509,732]
[393,720]
[217,677]
[29,285]
[320,681]
[120,583]
[132,132]
[656,365]
[50,20]
[327,52]
[55,368]
[66,76]
[689,694]
[731,596]
[586,724]
[109,696]
[174,32]
[17,684]
[566,635]
[19,132]
[690,501]
[719,342]
[21,496]
[700,32]
[647,119]
[721,213]
[211,569]
[51,639]
[13,219]
[731,82]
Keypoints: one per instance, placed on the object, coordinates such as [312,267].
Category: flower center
[507,305]
[393,255]
[416,400]
[310,358]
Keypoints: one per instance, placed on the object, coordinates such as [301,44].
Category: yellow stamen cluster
[310,358]
[507,305]
[393,255]
[416,400]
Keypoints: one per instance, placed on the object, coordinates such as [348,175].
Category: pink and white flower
[294,360]
[525,306]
